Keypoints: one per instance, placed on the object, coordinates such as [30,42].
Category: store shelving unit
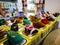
[37,38]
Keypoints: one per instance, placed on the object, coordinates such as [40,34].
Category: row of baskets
[35,39]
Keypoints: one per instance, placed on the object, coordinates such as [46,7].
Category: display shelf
[35,39]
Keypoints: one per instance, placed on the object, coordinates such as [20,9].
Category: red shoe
[45,21]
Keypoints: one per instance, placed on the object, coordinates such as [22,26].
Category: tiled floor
[53,38]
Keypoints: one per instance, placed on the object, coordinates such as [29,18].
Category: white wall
[52,5]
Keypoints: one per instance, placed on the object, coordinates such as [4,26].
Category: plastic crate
[33,39]
[21,27]
[28,42]
[5,28]
[44,30]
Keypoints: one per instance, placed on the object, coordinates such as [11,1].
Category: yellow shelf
[33,39]
[36,39]
[5,28]
[3,40]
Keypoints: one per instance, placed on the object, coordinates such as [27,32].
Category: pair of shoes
[38,24]
[56,14]
[50,18]
[45,21]
[14,27]
[25,21]
[14,37]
